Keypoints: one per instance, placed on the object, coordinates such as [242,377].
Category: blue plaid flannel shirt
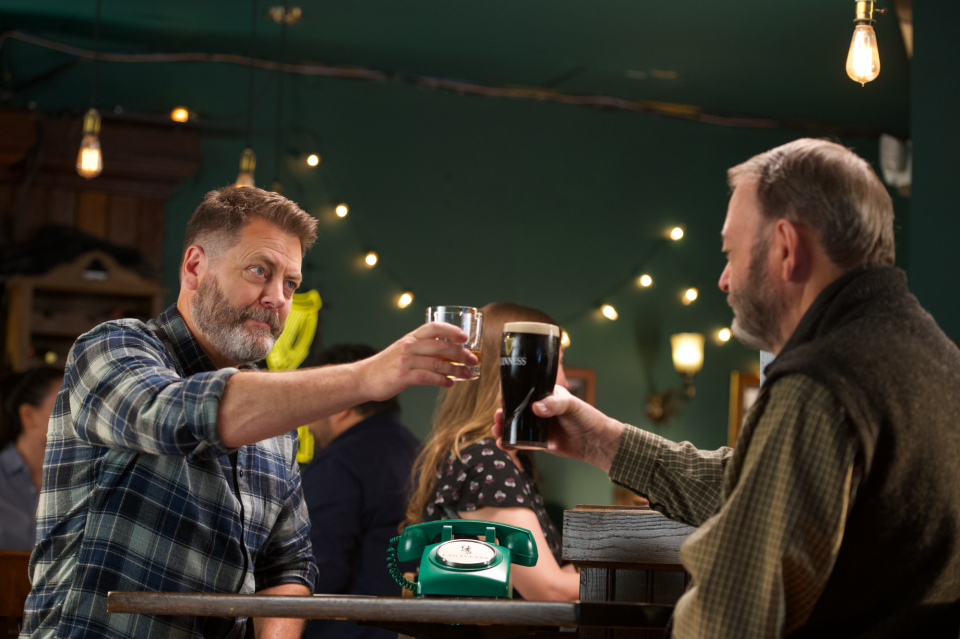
[137,491]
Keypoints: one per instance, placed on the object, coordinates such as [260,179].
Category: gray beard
[757,309]
[222,325]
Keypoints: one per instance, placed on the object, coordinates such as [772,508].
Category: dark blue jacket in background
[355,490]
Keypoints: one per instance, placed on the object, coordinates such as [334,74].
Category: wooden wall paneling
[122,220]
[92,213]
[19,305]
[31,214]
[7,192]
[62,207]
[150,231]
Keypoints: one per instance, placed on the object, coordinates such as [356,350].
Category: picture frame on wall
[744,389]
[582,383]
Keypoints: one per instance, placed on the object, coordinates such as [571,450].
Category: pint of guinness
[529,358]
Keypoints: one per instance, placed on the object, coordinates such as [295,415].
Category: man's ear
[790,251]
[194,268]
[338,418]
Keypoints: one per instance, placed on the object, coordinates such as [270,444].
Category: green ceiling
[771,59]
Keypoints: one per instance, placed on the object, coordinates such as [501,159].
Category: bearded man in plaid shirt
[837,514]
[167,469]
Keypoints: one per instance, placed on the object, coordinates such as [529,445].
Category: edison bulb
[609,312]
[313,159]
[565,339]
[180,114]
[724,334]
[371,258]
[248,164]
[645,280]
[863,60]
[676,233]
[342,210]
[405,300]
[690,295]
[90,159]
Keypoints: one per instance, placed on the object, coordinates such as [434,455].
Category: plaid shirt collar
[173,331]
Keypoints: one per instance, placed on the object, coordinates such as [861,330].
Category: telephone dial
[462,567]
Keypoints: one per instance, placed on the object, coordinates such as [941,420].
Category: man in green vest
[838,512]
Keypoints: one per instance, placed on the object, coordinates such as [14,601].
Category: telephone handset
[462,567]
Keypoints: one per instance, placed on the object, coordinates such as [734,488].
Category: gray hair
[217,223]
[830,189]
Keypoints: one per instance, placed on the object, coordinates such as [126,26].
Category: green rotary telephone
[462,567]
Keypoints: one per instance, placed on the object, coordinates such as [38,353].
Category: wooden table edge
[569,614]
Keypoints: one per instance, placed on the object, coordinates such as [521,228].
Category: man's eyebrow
[259,257]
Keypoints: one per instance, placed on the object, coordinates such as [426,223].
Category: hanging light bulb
[676,233]
[313,159]
[645,280]
[342,210]
[863,59]
[371,259]
[724,335]
[405,300]
[90,159]
[248,162]
[609,312]
[689,296]
[565,339]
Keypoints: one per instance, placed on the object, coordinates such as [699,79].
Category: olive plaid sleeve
[680,480]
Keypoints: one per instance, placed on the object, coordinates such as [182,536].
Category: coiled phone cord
[394,569]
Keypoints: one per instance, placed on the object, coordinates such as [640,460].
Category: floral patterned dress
[487,476]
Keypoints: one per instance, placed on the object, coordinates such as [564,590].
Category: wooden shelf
[47,313]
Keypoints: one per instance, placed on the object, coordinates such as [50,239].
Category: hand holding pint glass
[470,320]
[529,359]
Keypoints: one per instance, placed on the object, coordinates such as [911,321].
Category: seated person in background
[27,401]
[462,474]
[354,489]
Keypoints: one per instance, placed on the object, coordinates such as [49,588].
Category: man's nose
[724,282]
[273,296]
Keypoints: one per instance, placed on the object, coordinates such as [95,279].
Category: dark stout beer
[529,358]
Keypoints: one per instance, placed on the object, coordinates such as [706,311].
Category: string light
[676,233]
[371,259]
[90,159]
[180,114]
[313,159]
[405,300]
[565,339]
[690,296]
[724,334]
[609,312]
[342,210]
[644,280]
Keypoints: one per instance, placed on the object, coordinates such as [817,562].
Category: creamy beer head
[538,328]
[529,359]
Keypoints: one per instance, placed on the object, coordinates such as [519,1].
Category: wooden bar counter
[423,618]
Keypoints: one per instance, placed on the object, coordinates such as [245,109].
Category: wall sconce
[688,360]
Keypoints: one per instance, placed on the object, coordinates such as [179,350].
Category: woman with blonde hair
[461,473]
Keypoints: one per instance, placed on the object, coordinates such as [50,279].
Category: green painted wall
[935,94]
[471,200]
